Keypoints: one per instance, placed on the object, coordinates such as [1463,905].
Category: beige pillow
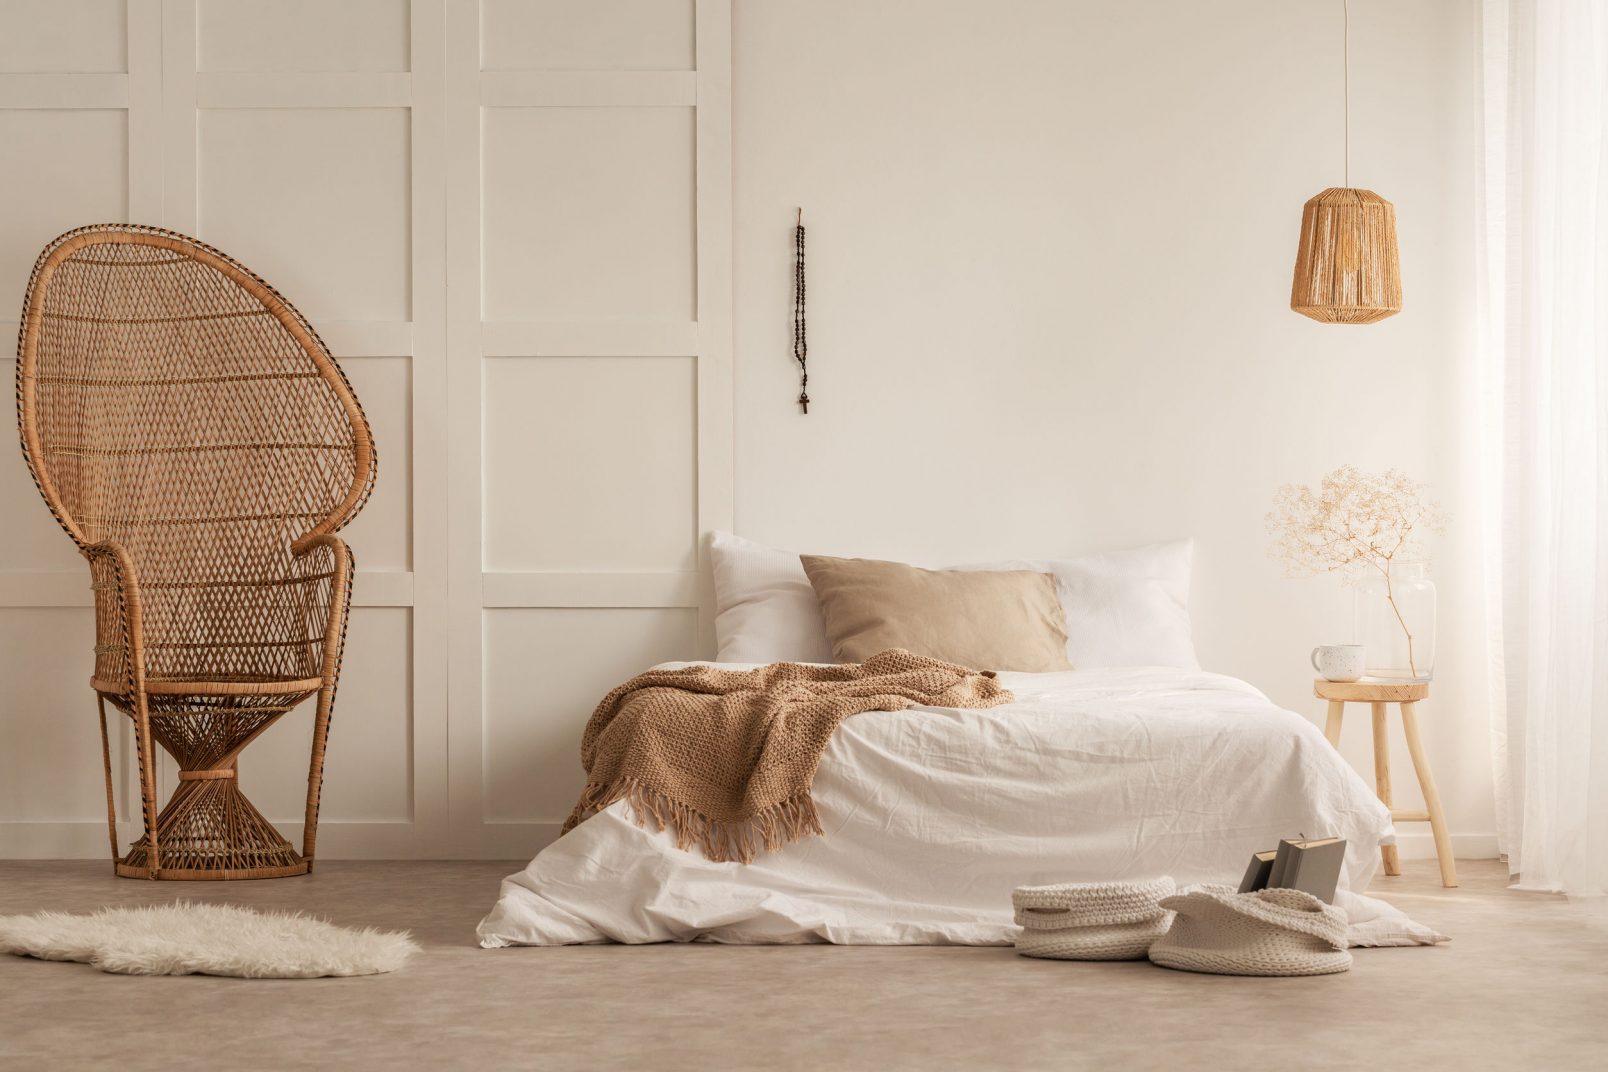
[1007,620]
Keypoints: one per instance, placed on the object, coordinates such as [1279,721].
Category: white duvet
[933,815]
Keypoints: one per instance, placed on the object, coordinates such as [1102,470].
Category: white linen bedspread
[933,815]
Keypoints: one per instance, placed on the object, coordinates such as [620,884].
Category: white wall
[511,222]
[1050,256]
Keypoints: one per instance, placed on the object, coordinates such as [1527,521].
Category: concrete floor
[1524,984]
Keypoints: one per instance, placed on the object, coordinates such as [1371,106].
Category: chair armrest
[341,566]
[308,544]
[119,634]
[339,555]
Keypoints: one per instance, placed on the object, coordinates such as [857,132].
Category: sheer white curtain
[1545,395]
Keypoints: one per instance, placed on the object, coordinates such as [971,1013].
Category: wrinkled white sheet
[933,816]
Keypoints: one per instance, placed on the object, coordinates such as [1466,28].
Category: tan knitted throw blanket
[725,758]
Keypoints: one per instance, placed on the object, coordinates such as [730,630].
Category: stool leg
[1331,729]
[1381,743]
[1432,803]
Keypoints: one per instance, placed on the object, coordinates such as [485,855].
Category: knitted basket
[1091,920]
[1269,932]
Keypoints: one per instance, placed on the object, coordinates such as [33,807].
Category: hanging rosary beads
[801,346]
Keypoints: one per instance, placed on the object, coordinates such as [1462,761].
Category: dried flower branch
[1352,523]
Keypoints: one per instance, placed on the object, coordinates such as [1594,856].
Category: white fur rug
[188,938]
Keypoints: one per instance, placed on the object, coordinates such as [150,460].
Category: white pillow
[765,609]
[1123,608]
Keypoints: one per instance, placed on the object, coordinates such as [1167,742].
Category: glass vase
[1395,623]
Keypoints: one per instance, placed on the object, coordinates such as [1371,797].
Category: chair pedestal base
[172,874]
[209,830]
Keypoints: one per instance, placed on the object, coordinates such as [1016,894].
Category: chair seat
[242,686]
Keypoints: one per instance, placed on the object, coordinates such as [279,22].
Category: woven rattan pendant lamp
[1346,269]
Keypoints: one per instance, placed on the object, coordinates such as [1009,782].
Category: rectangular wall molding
[558,339]
[523,263]
[303,90]
[588,89]
[589,589]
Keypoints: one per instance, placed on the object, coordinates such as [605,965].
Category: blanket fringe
[721,840]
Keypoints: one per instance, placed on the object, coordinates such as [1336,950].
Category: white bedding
[933,816]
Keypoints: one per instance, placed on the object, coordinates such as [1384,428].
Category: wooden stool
[1405,696]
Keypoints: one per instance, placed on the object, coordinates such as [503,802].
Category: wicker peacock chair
[194,437]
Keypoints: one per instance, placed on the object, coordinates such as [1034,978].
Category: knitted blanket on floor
[725,758]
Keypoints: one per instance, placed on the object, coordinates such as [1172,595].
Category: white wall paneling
[565,166]
[80,142]
[589,275]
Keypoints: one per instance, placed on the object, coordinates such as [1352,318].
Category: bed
[933,815]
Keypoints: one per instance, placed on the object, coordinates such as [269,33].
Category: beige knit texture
[1269,932]
[1117,941]
[1091,920]
[1090,904]
[725,758]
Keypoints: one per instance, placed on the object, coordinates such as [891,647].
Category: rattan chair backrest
[172,402]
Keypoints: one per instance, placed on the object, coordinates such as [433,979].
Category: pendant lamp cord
[1345,54]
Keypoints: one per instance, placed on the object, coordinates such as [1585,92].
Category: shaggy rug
[187,938]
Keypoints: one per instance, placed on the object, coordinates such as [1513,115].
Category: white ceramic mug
[1338,662]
